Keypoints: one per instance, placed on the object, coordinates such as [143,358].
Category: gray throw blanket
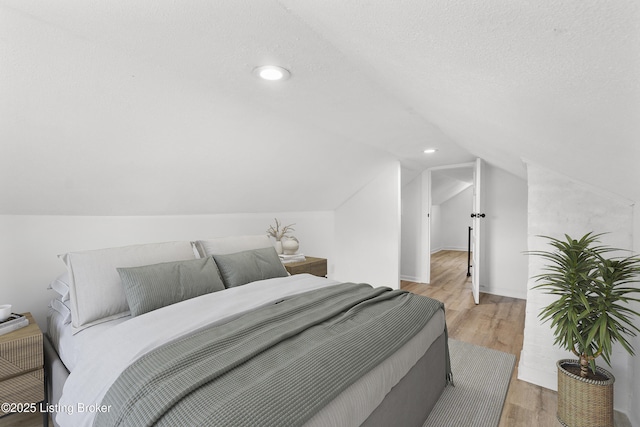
[275,366]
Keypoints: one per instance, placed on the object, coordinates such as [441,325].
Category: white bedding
[103,356]
[69,346]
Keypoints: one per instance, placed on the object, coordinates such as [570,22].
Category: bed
[215,332]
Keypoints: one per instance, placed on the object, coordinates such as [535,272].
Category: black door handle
[478,215]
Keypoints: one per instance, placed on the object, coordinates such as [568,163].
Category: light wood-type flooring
[498,323]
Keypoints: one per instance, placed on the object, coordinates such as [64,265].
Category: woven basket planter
[583,402]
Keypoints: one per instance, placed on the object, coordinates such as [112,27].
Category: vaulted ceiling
[150,107]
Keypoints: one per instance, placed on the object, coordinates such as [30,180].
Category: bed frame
[407,404]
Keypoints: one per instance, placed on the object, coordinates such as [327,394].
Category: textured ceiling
[150,107]
[557,83]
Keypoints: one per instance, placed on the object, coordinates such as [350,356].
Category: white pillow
[61,286]
[231,245]
[96,292]
[62,309]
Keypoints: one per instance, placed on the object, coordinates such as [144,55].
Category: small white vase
[278,247]
[290,246]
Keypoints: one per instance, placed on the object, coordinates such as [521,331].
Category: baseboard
[449,249]
[410,278]
[503,292]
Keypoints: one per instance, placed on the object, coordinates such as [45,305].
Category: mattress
[70,346]
[112,344]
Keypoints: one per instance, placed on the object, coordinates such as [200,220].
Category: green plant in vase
[592,310]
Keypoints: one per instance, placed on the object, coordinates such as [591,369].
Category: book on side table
[13,322]
[291,258]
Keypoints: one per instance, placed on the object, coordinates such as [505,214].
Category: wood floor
[498,323]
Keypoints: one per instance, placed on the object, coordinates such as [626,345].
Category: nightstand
[311,265]
[22,365]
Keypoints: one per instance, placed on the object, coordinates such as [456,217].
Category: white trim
[410,279]
[453,249]
[504,292]
[424,267]
[399,224]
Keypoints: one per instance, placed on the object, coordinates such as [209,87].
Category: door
[478,216]
[425,228]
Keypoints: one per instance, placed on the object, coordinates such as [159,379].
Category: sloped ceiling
[150,107]
[448,183]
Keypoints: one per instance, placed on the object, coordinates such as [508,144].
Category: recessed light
[430,150]
[272,72]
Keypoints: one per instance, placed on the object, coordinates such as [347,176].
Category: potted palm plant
[591,312]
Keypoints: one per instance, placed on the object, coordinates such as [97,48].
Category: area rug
[481,377]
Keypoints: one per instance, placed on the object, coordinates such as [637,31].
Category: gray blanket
[276,366]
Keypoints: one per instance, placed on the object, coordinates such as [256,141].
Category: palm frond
[593,292]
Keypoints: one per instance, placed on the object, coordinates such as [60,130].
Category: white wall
[29,244]
[505,233]
[436,229]
[559,205]
[634,362]
[454,222]
[361,239]
[367,236]
[411,230]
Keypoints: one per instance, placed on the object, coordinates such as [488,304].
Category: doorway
[420,220]
[476,214]
[451,224]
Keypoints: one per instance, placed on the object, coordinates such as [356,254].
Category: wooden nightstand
[311,265]
[22,365]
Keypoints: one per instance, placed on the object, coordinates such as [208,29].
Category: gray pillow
[248,266]
[154,286]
